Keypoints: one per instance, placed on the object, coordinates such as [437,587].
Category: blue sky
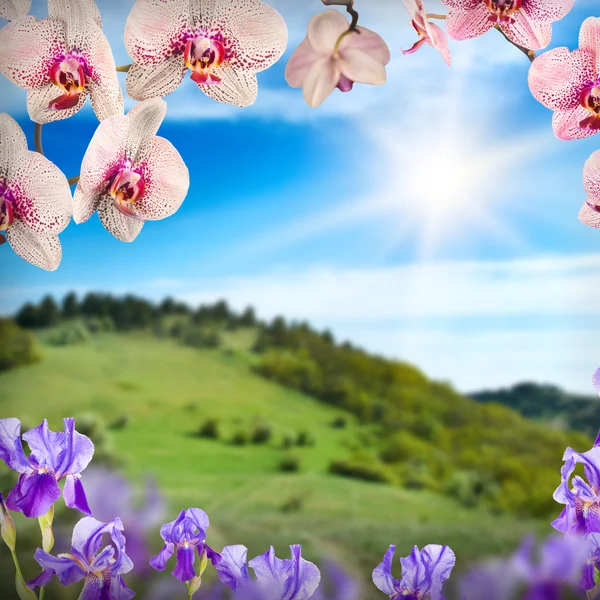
[433,219]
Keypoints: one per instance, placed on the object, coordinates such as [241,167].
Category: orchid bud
[7,526]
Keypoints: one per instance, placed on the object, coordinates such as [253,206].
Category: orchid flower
[223,43]
[569,84]
[101,569]
[423,573]
[590,211]
[581,498]
[60,61]
[333,56]
[54,456]
[429,33]
[35,199]
[187,534]
[130,175]
[276,579]
[527,23]
[12,10]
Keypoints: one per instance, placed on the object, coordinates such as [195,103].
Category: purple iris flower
[276,579]
[101,569]
[592,562]
[558,566]
[337,584]
[581,498]
[110,495]
[423,573]
[54,456]
[186,535]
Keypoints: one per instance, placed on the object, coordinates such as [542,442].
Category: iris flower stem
[42,591]
[37,138]
[189,590]
[349,4]
[530,54]
[23,591]
[123,68]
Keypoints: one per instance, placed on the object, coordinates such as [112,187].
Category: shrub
[359,468]
[305,439]
[209,429]
[287,441]
[290,463]
[239,438]
[339,423]
[201,337]
[70,334]
[18,346]
[119,423]
[293,504]
[262,434]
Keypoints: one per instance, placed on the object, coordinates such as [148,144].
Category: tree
[48,312]
[28,317]
[248,318]
[70,306]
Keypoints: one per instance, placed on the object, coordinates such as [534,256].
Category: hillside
[165,391]
[548,404]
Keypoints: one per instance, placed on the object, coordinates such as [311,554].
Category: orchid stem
[530,54]
[37,138]
[436,16]
[73,180]
[123,68]
[349,4]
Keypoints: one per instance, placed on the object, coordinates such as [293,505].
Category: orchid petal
[324,30]
[547,11]
[13,145]
[238,87]
[566,124]
[369,42]
[557,77]
[361,67]
[145,82]
[462,4]
[167,181]
[589,39]
[12,10]
[39,100]
[526,32]
[87,9]
[440,42]
[300,64]
[124,228]
[143,122]
[84,205]
[320,81]
[466,25]
[43,251]
[591,183]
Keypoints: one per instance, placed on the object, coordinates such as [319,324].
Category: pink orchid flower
[429,33]
[60,61]
[129,174]
[35,199]
[569,84]
[223,43]
[590,211]
[527,23]
[333,56]
[11,10]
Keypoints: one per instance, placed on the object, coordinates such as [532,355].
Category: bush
[293,504]
[209,429]
[201,337]
[305,439]
[119,423]
[470,488]
[239,438]
[359,468]
[18,346]
[70,334]
[287,441]
[262,434]
[290,463]
[339,423]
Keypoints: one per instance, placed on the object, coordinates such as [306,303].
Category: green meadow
[163,392]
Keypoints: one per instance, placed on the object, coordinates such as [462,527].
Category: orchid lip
[126,189]
[68,74]
[503,10]
[202,56]
[7,202]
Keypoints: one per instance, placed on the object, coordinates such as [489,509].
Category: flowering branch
[123,68]
[37,139]
[349,4]
[530,54]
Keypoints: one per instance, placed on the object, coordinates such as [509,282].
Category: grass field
[166,391]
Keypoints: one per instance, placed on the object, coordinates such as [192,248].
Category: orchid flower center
[503,10]
[202,56]
[7,203]
[126,189]
[67,74]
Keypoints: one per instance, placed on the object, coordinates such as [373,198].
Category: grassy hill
[548,404]
[163,392]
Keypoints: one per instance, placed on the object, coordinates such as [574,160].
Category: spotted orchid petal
[465,25]
[526,32]
[223,45]
[590,213]
[86,9]
[12,10]
[589,39]
[547,11]
[123,227]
